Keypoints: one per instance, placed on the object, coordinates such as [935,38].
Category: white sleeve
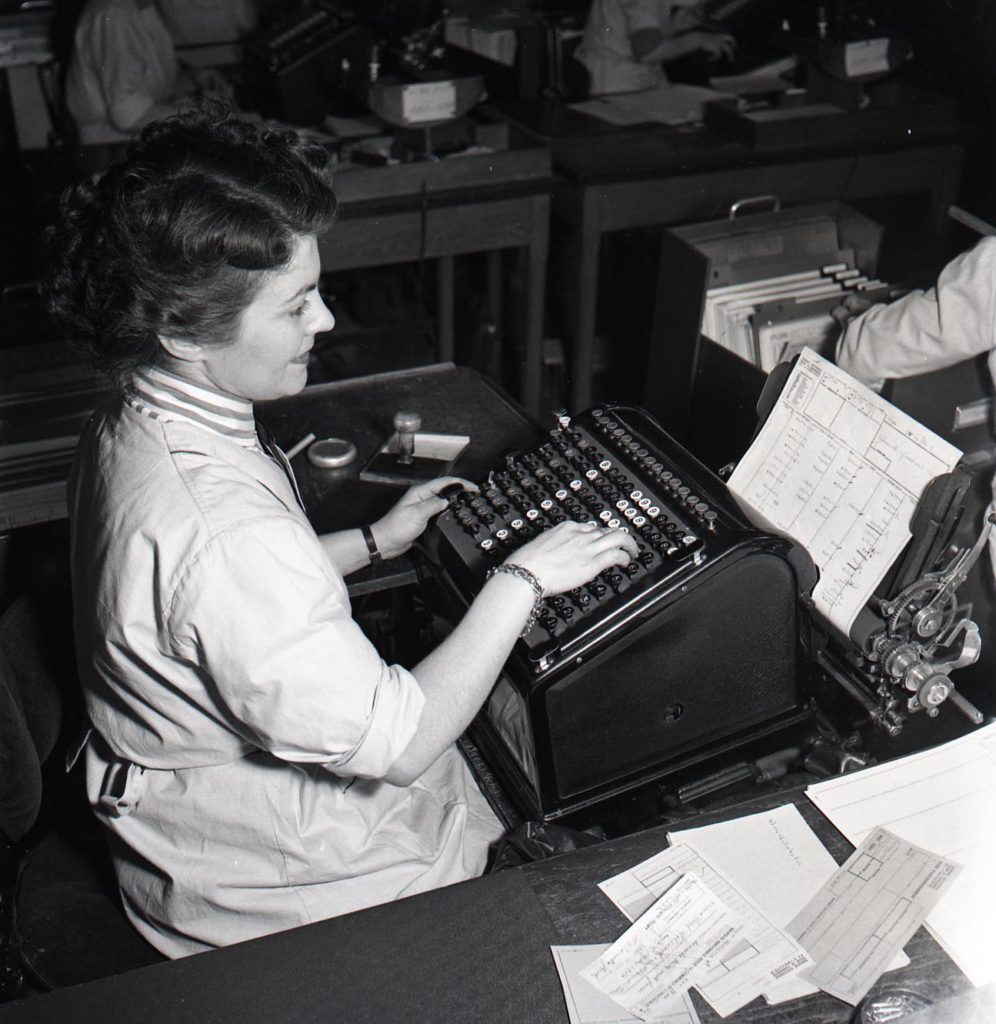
[267,618]
[640,15]
[133,78]
[928,330]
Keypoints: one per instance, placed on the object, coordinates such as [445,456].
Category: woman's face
[268,357]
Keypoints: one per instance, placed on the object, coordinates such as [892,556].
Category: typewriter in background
[351,60]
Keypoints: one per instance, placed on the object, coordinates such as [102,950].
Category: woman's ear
[184,349]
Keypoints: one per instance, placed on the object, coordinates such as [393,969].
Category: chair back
[35,657]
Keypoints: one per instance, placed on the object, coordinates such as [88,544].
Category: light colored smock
[243,721]
[123,63]
[606,51]
[929,330]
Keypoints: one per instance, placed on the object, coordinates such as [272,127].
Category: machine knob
[927,622]
[901,660]
[406,424]
[934,691]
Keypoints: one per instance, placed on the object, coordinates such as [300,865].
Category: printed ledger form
[944,801]
[840,470]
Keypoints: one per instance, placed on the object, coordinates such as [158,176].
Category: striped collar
[165,396]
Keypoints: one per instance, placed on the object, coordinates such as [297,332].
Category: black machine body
[694,647]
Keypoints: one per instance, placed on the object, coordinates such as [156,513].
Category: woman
[627,42]
[124,71]
[256,763]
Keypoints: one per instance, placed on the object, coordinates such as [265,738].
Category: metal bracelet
[522,573]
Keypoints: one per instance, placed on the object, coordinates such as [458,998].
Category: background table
[446,208]
[612,179]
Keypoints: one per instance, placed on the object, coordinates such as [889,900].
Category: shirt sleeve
[131,78]
[640,14]
[928,330]
[267,619]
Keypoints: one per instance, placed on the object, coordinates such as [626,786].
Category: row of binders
[770,320]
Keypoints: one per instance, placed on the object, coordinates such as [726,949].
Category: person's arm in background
[651,46]
[136,84]
[928,330]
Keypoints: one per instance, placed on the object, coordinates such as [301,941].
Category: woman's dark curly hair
[172,241]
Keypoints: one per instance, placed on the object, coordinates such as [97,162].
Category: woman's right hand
[570,554]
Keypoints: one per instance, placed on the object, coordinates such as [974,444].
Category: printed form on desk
[688,934]
[760,958]
[588,1005]
[781,862]
[868,910]
[840,470]
[806,923]
[753,906]
[943,800]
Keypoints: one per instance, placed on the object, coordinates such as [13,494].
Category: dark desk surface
[586,148]
[474,952]
[449,399]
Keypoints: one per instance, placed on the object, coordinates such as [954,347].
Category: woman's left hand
[396,531]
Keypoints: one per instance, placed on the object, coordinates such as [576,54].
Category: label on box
[867,57]
[428,101]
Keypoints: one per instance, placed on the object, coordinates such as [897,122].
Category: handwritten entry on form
[840,470]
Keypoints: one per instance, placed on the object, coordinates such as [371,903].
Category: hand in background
[396,531]
[570,554]
[852,306]
[716,45]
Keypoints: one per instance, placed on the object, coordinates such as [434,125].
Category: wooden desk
[473,952]
[613,180]
[443,209]
[486,202]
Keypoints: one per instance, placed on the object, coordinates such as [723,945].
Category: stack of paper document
[768,77]
[770,320]
[944,800]
[669,103]
[752,907]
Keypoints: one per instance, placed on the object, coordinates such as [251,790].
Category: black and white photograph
[497,511]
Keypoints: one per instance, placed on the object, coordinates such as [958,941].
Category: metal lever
[950,579]
[931,679]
